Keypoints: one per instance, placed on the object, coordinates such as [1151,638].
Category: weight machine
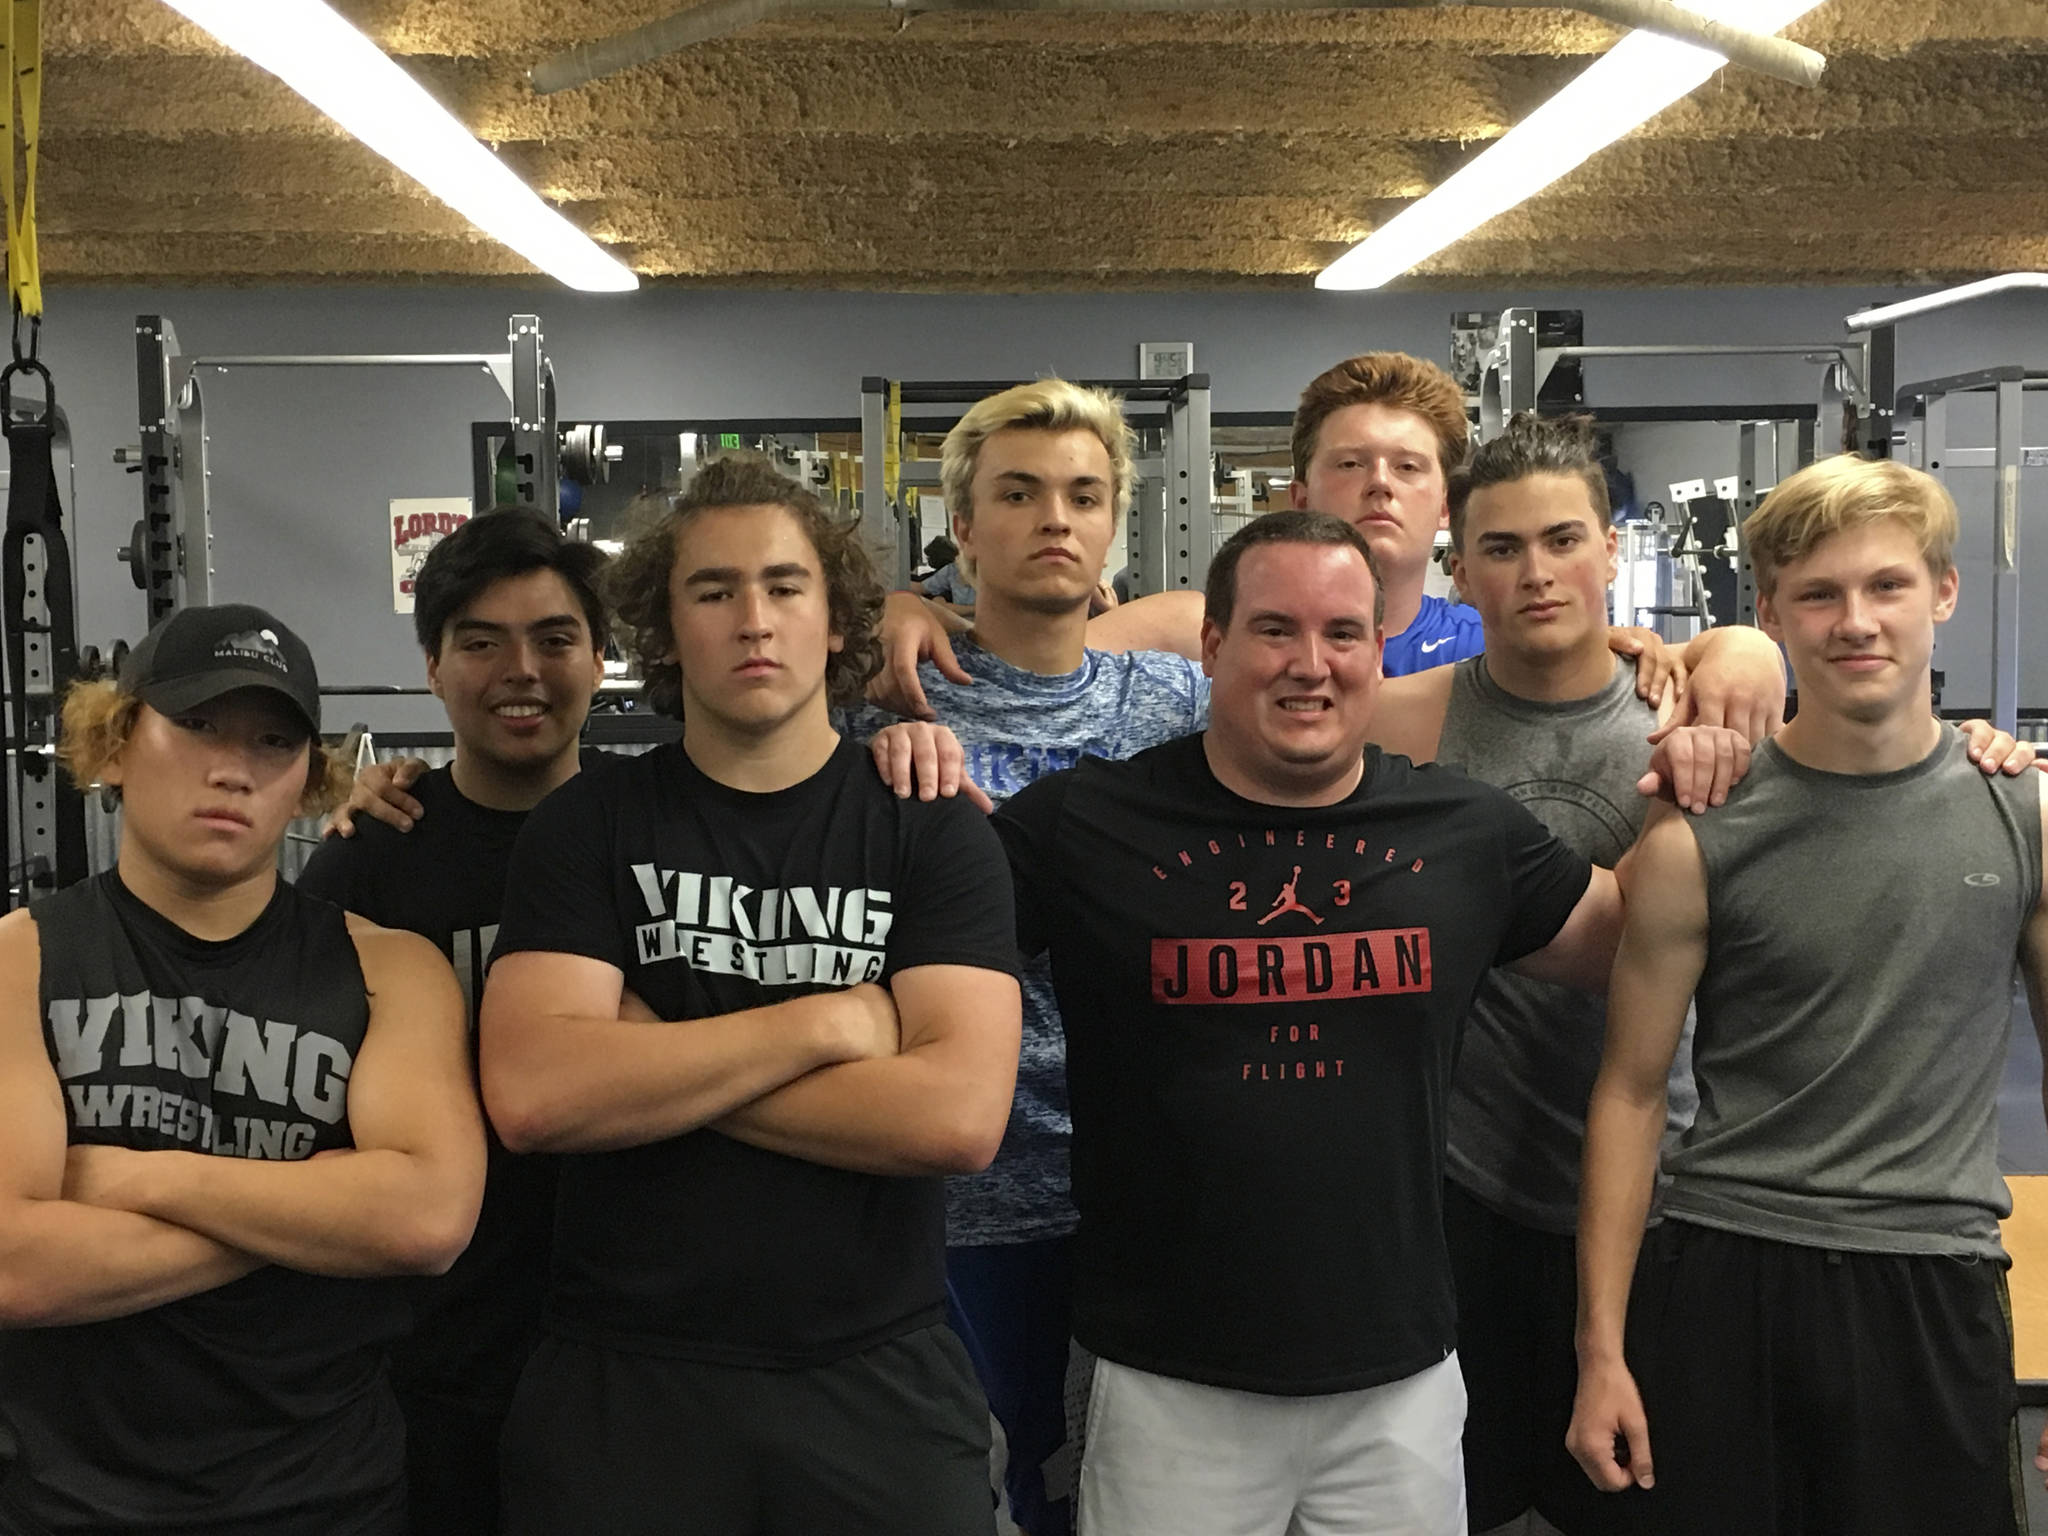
[1172,527]
[169,551]
[2008,387]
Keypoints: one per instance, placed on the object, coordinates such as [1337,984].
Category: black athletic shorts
[1795,1391]
[892,1441]
[377,1514]
[1517,1313]
[451,1458]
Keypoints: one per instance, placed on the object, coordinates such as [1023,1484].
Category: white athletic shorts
[1166,1457]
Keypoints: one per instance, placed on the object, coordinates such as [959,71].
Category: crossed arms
[910,1078]
[93,1232]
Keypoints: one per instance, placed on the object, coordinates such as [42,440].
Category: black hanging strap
[31,719]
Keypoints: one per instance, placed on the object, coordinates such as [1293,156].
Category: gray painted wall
[305,462]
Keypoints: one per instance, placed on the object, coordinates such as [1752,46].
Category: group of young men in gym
[1213,1114]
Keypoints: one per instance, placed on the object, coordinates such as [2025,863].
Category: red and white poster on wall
[417,525]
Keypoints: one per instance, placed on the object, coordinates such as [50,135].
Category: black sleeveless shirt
[261,1405]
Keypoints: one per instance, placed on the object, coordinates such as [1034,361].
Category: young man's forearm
[934,1109]
[63,1263]
[567,1084]
[358,1214]
[1620,1171]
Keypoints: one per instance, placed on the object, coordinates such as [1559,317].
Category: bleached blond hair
[98,719]
[1045,405]
[1843,492]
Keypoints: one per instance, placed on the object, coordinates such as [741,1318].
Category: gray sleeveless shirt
[1863,932]
[1517,1116]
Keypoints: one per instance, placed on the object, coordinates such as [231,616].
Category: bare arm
[1582,953]
[403,1200]
[1408,716]
[940,1106]
[1663,950]
[563,1073]
[912,629]
[381,790]
[1165,621]
[1660,669]
[61,1261]
[1737,679]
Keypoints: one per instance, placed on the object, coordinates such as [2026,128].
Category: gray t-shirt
[1862,940]
[1018,726]
[948,585]
[1517,1116]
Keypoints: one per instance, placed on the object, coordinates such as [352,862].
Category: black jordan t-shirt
[711,900]
[260,1406]
[1262,1007]
[445,880]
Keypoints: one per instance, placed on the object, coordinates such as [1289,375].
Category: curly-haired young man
[222,1103]
[771,1003]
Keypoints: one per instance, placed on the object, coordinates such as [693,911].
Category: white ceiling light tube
[1628,85]
[340,71]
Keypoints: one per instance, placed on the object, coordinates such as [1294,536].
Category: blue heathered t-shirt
[1017,727]
[1443,632]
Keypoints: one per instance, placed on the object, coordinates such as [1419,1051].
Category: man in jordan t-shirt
[1264,941]
[770,1003]
[224,1107]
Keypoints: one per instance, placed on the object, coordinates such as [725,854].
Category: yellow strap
[21,52]
[892,445]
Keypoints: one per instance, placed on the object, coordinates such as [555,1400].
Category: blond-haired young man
[1818,1330]
[1035,479]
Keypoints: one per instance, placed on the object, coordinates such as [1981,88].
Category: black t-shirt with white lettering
[260,1406]
[711,900]
[1262,1007]
[473,1327]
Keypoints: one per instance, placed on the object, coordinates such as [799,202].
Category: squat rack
[2008,454]
[169,551]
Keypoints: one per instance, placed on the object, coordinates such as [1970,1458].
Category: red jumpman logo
[1287,901]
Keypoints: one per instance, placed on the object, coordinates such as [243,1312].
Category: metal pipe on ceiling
[671,34]
[1928,303]
[719,18]
[1767,55]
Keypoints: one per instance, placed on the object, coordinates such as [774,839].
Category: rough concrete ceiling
[1027,151]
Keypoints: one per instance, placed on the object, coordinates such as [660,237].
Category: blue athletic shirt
[1443,632]
[1017,727]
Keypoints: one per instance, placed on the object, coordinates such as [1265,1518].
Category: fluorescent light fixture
[1627,86]
[1928,303]
[340,71]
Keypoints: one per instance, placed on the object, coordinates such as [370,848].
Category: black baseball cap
[199,654]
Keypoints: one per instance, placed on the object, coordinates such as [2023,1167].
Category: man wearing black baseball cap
[244,1100]
[198,654]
